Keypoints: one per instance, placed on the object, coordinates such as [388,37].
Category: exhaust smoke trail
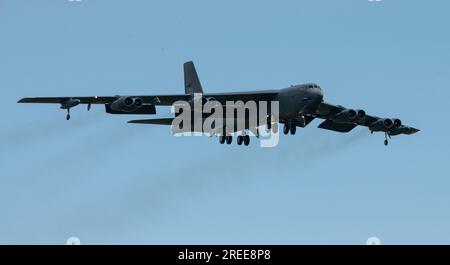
[310,152]
[190,181]
[34,131]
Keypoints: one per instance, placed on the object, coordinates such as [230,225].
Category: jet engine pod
[126,104]
[345,116]
[360,114]
[383,125]
[397,123]
[138,102]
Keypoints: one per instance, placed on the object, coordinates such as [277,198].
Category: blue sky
[106,181]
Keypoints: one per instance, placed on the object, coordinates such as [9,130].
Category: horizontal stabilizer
[337,127]
[163,121]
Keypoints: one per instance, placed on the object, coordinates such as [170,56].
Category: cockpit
[313,86]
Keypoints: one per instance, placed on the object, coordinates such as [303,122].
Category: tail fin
[191,82]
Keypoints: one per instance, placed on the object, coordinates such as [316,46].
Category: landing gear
[285,129]
[225,139]
[257,132]
[386,135]
[68,114]
[243,139]
[271,126]
[289,127]
[228,139]
[268,124]
[246,140]
[240,139]
[275,128]
[293,129]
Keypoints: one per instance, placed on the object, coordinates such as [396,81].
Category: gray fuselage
[299,99]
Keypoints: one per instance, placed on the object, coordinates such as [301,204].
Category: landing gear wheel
[293,129]
[268,124]
[275,127]
[239,140]
[246,140]
[221,139]
[68,114]
[229,139]
[386,142]
[285,129]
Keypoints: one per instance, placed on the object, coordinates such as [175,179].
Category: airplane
[298,106]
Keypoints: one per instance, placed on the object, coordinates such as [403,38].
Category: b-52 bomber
[298,106]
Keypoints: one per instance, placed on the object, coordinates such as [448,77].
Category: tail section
[191,82]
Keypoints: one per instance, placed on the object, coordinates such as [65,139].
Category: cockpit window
[310,86]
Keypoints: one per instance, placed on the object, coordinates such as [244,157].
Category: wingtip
[413,131]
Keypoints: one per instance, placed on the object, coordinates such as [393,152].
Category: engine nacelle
[345,116]
[126,104]
[397,123]
[383,125]
[360,114]
[349,116]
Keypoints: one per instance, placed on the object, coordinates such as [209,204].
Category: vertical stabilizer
[191,82]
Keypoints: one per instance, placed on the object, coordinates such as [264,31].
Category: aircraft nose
[319,92]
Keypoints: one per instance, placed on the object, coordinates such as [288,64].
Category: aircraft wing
[328,111]
[57,100]
[156,99]
[162,100]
